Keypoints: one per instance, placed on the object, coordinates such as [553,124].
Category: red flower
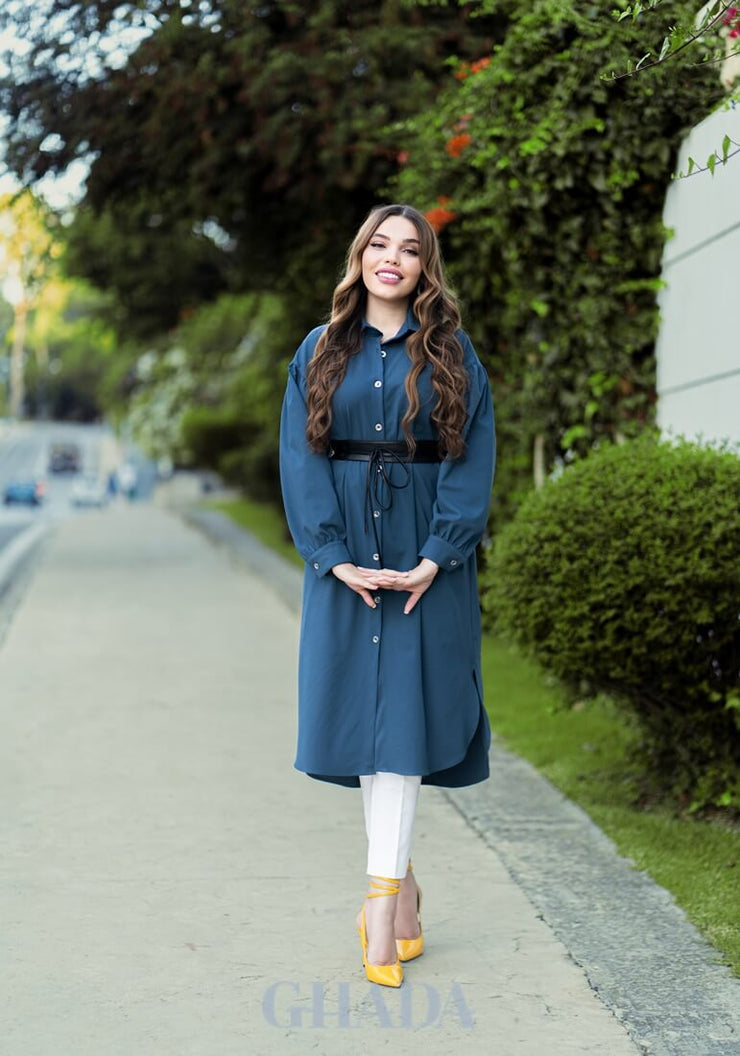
[481,64]
[456,144]
[402,157]
[462,71]
[439,216]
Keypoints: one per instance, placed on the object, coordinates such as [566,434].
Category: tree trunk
[17,389]
[538,461]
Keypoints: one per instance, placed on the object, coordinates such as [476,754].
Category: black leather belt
[381,456]
[395,450]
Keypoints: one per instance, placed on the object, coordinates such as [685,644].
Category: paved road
[8,532]
[170,886]
[24,455]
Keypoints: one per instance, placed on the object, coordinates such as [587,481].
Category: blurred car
[64,458]
[89,491]
[28,492]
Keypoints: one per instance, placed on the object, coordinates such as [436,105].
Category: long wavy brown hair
[434,305]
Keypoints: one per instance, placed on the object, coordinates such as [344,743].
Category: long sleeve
[309,497]
[460,511]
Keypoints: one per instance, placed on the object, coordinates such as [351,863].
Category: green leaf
[726,144]
[692,166]
[712,162]
[576,432]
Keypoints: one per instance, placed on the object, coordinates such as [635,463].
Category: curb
[15,559]
[641,956]
[285,579]
[16,553]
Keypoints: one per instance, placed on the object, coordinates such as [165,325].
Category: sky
[61,192]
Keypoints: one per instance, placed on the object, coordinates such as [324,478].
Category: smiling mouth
[389,276]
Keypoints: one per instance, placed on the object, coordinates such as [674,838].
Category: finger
[411,603]
[402,584]
[370,582]
[386,573]
[367,598]
[369,572]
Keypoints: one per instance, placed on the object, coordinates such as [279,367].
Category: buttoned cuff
[328,555]
[442,553]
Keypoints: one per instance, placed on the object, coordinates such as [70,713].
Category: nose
[391,255]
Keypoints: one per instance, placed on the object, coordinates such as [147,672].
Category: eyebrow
[379,234]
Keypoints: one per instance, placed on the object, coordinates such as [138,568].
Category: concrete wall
[698,349]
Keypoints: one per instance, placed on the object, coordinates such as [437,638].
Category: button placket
[378,427]
[378,384]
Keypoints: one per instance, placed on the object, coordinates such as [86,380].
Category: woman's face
[390,262]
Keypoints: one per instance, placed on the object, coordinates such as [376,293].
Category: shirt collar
[410,323]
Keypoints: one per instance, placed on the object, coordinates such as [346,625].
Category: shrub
[210,432]
[622,576]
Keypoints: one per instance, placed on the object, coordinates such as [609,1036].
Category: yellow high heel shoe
[410,948]
[385,974]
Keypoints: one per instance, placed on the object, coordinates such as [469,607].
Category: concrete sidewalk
[171,885]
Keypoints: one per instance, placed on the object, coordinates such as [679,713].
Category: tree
[548,182]
[74,352]
[699,39]
[27,252]
[246,140]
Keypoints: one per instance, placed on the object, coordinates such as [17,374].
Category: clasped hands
[365,580]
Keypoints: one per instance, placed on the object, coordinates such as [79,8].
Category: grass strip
[583,752]
[263,520]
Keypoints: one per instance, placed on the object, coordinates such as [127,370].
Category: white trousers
[389,801]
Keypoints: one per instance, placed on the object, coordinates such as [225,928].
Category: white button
[383,353]
[453,562]
[378,427]
[378,384]
[376,639]
[315,564]
[376,513]
[376,599]
[376,557]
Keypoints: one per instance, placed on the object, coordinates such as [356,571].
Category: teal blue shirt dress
[377,689]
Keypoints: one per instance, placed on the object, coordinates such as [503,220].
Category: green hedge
[622,576]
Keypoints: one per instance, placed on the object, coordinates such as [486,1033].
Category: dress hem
[472,766]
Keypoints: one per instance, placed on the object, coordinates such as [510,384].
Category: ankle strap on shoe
[389,886]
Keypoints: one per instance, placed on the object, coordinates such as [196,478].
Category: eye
[413,252]
[378,245]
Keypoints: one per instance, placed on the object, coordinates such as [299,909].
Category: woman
[387,452]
